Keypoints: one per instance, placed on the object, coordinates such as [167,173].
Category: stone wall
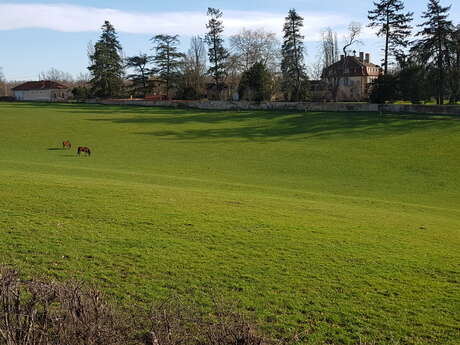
[421,109]
[298,106]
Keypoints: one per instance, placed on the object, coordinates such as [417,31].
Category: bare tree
[354,31]
[252,46]
[329,58]
[82,79]
[329,47]
[315,69]
[3,90]
[54,74]
[335,67]
[233,71]
[195,66]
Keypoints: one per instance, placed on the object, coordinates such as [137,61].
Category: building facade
[44,90]
[350,78]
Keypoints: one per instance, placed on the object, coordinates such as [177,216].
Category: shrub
[47,313]
[42,312]
[256,84]
[177,323]
[384,89]
[81,93]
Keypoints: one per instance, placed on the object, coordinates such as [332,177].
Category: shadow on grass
[254,125]
[102,109]
[55,149]
[300,126]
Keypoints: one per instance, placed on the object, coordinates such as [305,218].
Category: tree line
[422,69]
[254,68]
[420,63]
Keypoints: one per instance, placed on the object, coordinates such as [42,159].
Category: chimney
[342,57]
[361,56]
[368,58]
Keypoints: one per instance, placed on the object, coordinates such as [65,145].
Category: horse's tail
[79,150]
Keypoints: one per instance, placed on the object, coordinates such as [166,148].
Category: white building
[44,90]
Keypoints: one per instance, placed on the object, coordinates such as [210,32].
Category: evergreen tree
[107,64]
[393,24]
[292,64]
[384,89]
[81,93]
[414,82]
[454,66]
[216,51]
[142,72]
[434,46]
[256,84]
[168,59]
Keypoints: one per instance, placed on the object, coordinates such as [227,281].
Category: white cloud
[72,18]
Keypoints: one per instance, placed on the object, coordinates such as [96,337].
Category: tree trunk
[441,75]
[387,44]
[296,60]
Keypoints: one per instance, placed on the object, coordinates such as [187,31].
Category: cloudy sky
[36,35]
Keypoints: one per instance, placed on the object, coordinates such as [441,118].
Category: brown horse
[66,145]
[83,149]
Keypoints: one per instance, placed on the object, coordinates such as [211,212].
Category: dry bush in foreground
[41,312]
[177,323]
[48,313]
[230,328]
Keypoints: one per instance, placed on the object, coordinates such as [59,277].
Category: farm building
[349,78]
[44,90]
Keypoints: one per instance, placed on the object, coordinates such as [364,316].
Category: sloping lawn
[344,227]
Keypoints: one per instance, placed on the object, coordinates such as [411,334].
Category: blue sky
[36,35]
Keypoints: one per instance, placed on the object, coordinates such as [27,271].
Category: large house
[349,79]
[44,90]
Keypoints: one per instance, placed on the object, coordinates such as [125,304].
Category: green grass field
[344,226]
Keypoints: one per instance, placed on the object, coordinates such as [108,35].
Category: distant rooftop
[39,85]
[351,66]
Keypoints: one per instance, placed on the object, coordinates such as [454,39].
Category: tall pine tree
[217,53]
[292,64]
[392,23]
[140,77]
[167,59]
[454,66]
[433,46]
[107,64]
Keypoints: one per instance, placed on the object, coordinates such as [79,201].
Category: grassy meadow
[342,226]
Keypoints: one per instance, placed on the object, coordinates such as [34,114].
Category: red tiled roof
[352,66]
[39,85]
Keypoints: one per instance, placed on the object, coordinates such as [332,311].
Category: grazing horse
[84,150]
[66,145]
